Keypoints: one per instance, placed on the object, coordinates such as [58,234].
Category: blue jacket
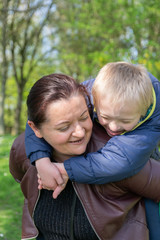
[122,156]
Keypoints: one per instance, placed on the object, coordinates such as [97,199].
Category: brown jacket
[115,211]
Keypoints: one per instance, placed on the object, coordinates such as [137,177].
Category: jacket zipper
[85,210]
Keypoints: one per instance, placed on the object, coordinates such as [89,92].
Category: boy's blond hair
[124,82]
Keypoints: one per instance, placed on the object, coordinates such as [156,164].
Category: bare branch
[35,63]
[14,10]
[38,35]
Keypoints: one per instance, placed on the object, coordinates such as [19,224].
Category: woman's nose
[78,131]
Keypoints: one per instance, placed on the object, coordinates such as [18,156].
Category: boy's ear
[35,129]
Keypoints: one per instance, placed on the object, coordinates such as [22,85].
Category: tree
[4,68]
[82,36]
[92,33]
[26,39]
[142,23]
[89,35]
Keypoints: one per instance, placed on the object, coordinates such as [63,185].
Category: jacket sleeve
[35,147]
[146,182]
[122,157]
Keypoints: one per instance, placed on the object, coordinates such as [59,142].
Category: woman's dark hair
[51,88]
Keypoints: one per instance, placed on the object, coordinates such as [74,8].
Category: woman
[57,110]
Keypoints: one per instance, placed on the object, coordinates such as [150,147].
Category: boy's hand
[57,190]
[61,187]
[49,175]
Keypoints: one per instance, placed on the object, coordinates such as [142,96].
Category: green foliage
[11,97]
[11,199]
[88,37]
[92,33]
[84,35]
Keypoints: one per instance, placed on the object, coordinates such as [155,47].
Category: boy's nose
[113,126]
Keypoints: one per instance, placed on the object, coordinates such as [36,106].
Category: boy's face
[115,117]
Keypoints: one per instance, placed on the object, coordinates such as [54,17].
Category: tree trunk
[4,71]
[18,111]
[2,97]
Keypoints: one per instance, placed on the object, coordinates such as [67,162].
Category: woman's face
[68,127]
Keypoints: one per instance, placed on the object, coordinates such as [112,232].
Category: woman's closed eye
[84,118]
[63,129]
[66,127]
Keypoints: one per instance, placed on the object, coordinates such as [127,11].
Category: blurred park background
[74,37]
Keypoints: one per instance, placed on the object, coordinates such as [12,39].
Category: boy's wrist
[41,161]
[61,168]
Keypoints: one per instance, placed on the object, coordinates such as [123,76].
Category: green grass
[11,198]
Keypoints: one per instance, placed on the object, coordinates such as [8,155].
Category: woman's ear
[35,129]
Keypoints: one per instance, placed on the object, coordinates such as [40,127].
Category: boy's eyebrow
[104,115]
[65,122]
[107,116]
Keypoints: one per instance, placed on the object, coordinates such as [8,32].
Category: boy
[127,104]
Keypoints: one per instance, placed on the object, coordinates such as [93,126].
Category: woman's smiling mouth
[80,141]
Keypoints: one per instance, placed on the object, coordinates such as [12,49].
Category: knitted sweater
[59,219]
